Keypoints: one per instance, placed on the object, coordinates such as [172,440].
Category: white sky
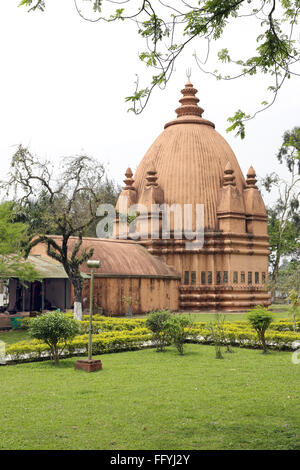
[63,82]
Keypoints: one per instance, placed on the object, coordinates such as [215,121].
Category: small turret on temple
[255,208]
[230,207]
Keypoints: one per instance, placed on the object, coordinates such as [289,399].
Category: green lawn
[13,336]
[148,400]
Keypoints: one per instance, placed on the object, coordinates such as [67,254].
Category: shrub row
[111,325]
[116,334]
[101,323]
[111,341]
[246,336]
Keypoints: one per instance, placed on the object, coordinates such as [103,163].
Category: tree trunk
[294,320]
[275,275]
[263,342]
[77,299]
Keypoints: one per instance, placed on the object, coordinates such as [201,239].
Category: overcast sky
[63,82]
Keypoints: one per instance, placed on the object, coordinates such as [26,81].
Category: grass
[13,336]
[148,400]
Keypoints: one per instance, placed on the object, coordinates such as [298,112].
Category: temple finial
[151,175]
[228,178]
[251,178]
[128,180]
[189,102]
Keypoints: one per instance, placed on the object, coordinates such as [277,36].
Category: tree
[157,323]
[72,199]
[295,304]
[177,327]
[169,27]
[12,237]
[216,329]
[289,277]
[284,215]
[260,319]
[36,211]
[55,329]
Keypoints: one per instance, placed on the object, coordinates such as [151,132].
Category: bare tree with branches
[73,197]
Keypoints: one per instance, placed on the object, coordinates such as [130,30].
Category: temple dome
[190,157]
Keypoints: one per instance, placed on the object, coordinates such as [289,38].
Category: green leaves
[33,4]
[238,123]
[223,55]
[177,327]
[260,319]
[13,237]
[154,28]
[157,322]
[53,328]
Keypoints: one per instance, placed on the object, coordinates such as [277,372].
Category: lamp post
[89,364]
[93,264]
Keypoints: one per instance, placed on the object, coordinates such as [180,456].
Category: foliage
[295,303]
[12,237]
[35,213]
[284,215]
[260,319]
[54,328]
[168,28]
[288,278]
[289,152]
[217,334]
[177,327]
[105,342]
[157,323]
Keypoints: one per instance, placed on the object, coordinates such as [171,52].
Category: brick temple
[189,163]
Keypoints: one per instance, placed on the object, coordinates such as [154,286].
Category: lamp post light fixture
[89,364]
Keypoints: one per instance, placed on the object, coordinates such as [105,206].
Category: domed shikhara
[190,157]
[191,163]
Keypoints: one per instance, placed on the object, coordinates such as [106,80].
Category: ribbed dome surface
[190,157]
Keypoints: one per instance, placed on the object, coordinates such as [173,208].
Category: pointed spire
[189,112]
[129,180]
[189,102]
[151,175]
[228,178]
[251,178]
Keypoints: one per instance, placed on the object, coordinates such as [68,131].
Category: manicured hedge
[116,334]
[112,341]
[244,335]
[111,325]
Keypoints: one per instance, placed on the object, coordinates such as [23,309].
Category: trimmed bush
[177,328]
[157,323]
[54,329]
[260,319]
